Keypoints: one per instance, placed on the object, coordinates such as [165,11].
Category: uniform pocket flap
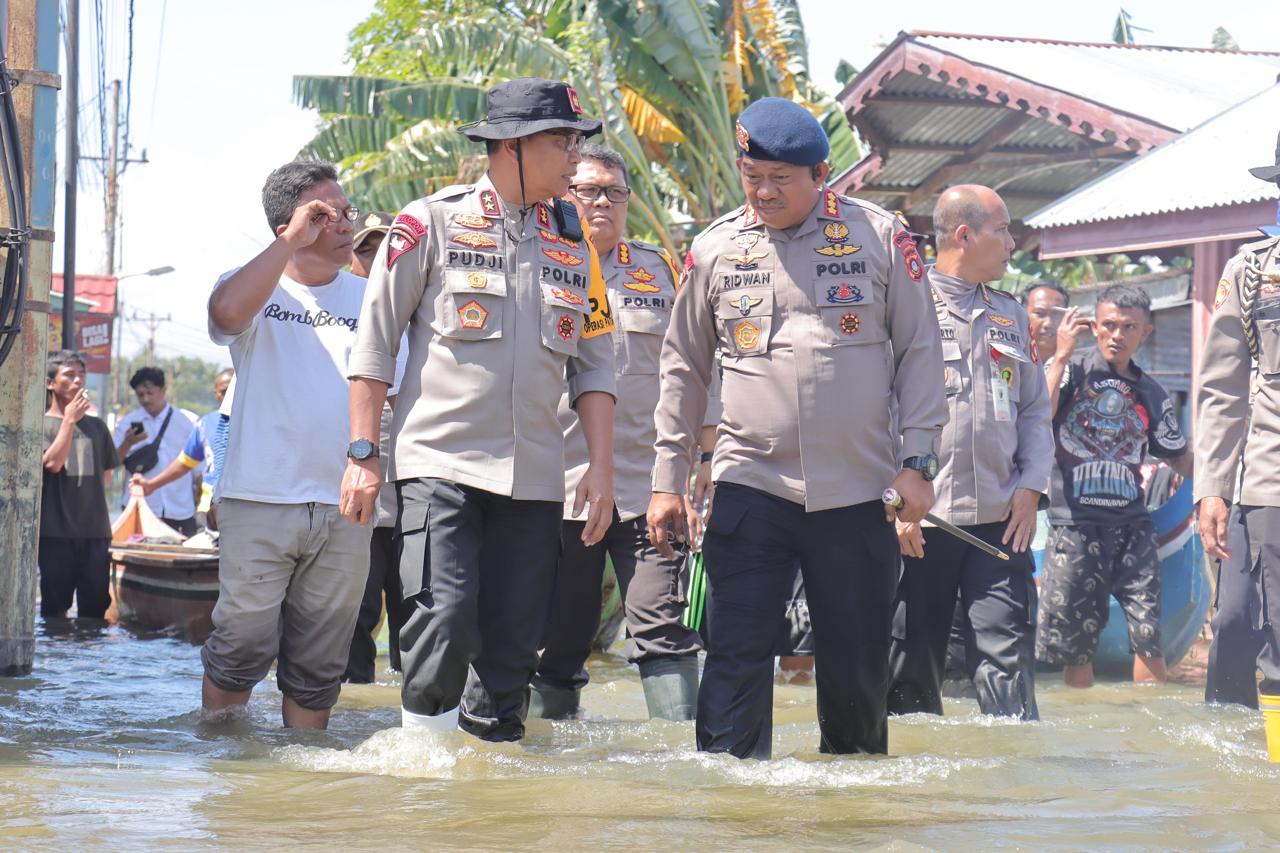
[413,519]
[564,296]
[474,281]
[1008,349]
[645,321]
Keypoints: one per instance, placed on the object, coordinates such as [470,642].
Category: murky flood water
[101,746]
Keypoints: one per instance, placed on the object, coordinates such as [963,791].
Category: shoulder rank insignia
[750,218]
[831,203]
[490,205]
[544,215]
[624,254]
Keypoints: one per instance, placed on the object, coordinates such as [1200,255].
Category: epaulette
[1006,294]
[640,244]
[1259,246]
[731,215]
[450,192]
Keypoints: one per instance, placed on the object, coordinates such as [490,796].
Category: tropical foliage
[666,76]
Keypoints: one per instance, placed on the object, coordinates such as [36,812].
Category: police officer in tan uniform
[996,456]
[503,301]
[641,283]
[819,306]
[1238,405]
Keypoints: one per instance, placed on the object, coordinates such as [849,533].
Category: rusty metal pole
[32,45]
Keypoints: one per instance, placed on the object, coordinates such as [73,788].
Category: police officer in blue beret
[832,390]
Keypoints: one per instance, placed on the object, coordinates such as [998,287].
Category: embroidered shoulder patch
[907,246]
[403,236]
[1224,290]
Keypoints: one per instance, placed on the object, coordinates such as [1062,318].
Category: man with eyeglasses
[291,569]
[505,307]
[641,281]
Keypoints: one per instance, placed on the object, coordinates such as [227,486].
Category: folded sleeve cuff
[1210,487]
[919,442]
[368,364]
[671,476]
[593,379]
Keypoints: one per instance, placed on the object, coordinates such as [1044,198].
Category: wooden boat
[156,581]
[1186,590]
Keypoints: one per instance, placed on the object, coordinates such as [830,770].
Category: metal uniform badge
[573,99]
[836,233]
[478,280]
[474,221]
[474,240]
[473,315]
[746,334]
[745,303]
[562,257]
[743,138]
[746,261]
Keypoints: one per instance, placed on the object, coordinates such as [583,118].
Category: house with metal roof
[1033,118]
[1193,197]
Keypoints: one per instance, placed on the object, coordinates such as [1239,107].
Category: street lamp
[156,271]
[113,391]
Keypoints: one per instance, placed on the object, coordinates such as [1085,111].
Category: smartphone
[136,429]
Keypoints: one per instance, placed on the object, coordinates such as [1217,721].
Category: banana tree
[667,78]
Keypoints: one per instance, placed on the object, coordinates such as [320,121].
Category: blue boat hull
[1186,590]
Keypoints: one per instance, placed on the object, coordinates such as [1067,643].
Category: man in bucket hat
[1238,404]
[504,302]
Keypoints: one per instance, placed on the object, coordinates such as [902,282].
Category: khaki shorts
[290,580]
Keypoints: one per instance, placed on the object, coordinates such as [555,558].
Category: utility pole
[153,322]
[30,31]
[112,175]
[72,130]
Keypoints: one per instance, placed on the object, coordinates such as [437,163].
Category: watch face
[361,449]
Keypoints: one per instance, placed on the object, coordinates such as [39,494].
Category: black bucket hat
[529,105]
[1268,173]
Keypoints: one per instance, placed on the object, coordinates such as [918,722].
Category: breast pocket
[746,320]
[641,332]
[469,307]
[850,310]
[953,368]
[563,311]
[1269,346]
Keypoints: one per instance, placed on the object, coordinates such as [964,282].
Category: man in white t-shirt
[291,570]
[155,422]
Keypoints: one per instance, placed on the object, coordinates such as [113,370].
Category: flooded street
[101,745]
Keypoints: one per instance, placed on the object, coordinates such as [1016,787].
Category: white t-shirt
[173,501]
[290,425]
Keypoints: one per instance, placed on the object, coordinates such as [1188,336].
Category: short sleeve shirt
[1104,427]
[73,503]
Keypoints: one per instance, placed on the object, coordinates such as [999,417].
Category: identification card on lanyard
[1000,397]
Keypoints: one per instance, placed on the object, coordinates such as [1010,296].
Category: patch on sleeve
[403,236]
[907,246]
[1224,290]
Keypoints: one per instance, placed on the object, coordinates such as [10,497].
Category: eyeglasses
[568,140]
[351,214]
[591,192]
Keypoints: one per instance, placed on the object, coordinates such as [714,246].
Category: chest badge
[474,240]
[562,257]
[566,296]
[850,323]
[474,221]
[1000,320]
[747,260]
[478,280]
[745,303]
[844,294]
[747,240]
[564,327]
[836,233]
[473,315]
[747,335]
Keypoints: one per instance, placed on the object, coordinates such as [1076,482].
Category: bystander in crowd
[152,436]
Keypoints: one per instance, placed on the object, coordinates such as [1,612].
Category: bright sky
[212,106]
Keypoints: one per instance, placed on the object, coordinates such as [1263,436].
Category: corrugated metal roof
[1206,167]
[1177,87]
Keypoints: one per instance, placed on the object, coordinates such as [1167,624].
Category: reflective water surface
[101,745]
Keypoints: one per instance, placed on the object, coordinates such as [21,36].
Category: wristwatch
[362,449]
[926,465]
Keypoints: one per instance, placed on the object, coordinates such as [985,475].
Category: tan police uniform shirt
[824,328]
[498,317]
[1229,425]
[1000,433]
[641,283]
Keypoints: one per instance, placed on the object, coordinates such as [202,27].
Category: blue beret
[778,129]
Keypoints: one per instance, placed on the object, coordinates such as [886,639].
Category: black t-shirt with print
[1104,427]
[73,504]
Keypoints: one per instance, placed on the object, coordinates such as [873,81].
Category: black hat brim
[1266,173]
[516,129]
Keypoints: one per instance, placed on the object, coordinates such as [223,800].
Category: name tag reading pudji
[1000,398]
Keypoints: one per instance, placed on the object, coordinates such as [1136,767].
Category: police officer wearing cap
[1237,461]
[831,360]
[996,458]
[503,300]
